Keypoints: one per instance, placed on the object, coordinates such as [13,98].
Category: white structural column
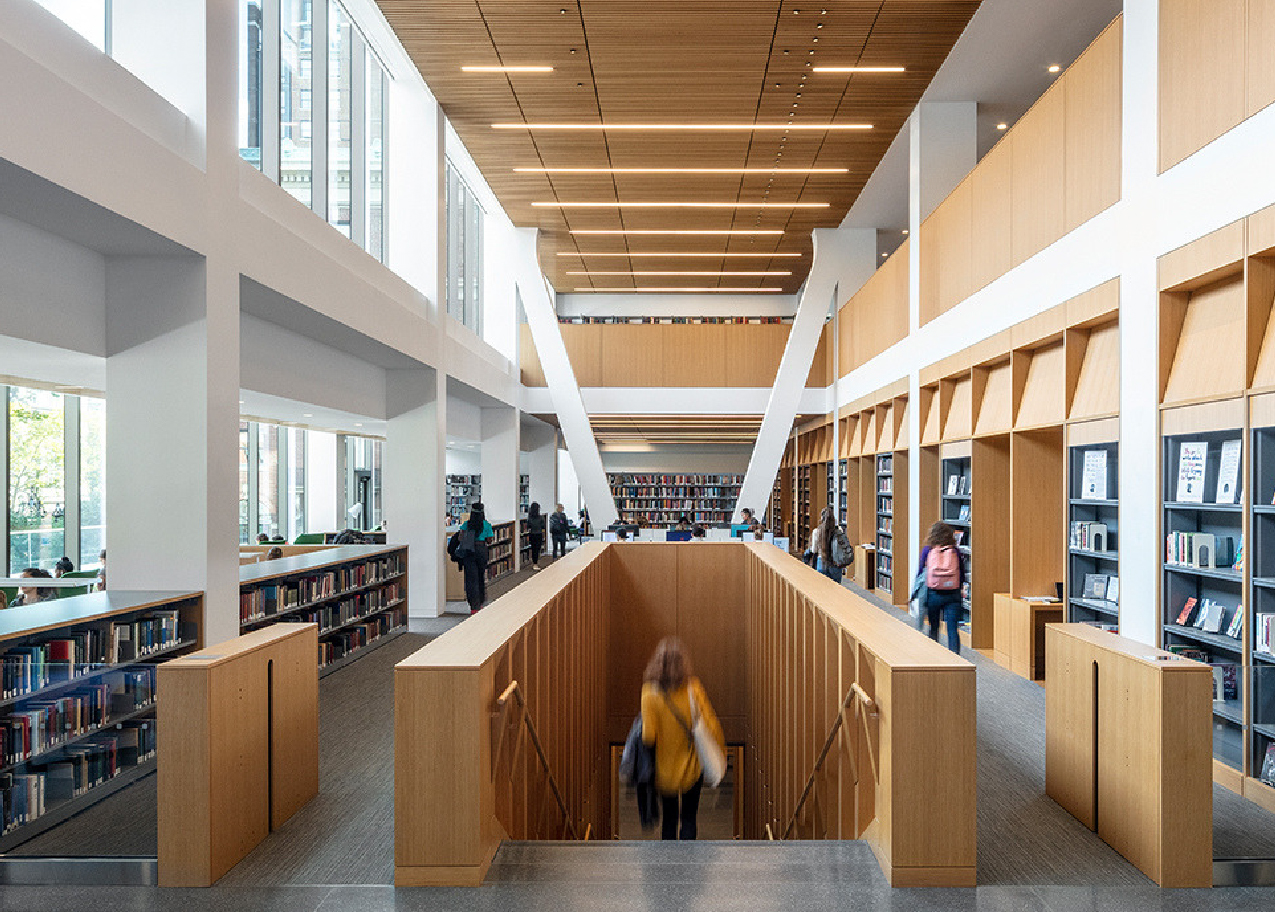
[500,465]
[561,380]
[415,469]
[1140,547]
[942,150]
[833,249]
[321,499]
[540,461]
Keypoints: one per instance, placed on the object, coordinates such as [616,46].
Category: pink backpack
[942,568]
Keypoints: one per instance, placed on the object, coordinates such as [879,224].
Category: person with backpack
[944,570]
[535,534]
[831,546]
[468,547]
[558,528]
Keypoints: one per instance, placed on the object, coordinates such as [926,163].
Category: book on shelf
[1264,633]
[1093,478]
[1188,652]
[1228,476]
[1188,610]
[1095,586]
[964,515]
[1226,685]
[1192,460]
[1235,630]
[1201,550]
[951,484]
[1113,589]
[1089,536]
[1213,618]
[1267,774]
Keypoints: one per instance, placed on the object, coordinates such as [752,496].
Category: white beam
[561,380]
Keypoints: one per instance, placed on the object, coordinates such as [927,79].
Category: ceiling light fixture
[1055,68]
[656,254]
[507,69]
[737,127]
[1002,126]
[669,274]
[683,170]
[697,290]
[632,205]
[859,69]
[672,231]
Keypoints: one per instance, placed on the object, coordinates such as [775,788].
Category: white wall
[464,462]
[321,482]
[679,459]
[464,420]
[568,486]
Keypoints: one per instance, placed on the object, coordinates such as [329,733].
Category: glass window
[250,64]
[268,518]
[340,50]
[295,114]
[244,441]
[37,508]
[92,481]
[296,482]
[88,17]
[374,191]
[464,217]
[378,451]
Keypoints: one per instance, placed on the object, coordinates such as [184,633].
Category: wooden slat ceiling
[678,62]
[619,430]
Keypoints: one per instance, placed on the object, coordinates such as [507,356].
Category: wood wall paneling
[990,533]
[1043,398]
[753,352]
[632,355]
[584,349]
[1095,305]
[1040,172]
[694,355]
[1097,387]
[992,215]
[931,420]
[995,409]
[960,417]
[1260,62]
[1208,360]
[533,373]
[932,235]
[1093,144]
[1261,338]
[956,247]
[1037,524]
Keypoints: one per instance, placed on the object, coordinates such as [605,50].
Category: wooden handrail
[515,690]
[855,696]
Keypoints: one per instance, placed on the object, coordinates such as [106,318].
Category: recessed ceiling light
[683,170]
[627,253]
[632,205]
[507,69]
[1002,126]
[697,290]
[859,69]
[307,415]
[358,424]
[667,274]
[738,127]
[1055,68]
[671,231]
[905,231]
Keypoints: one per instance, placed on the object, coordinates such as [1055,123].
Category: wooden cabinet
[1019,630]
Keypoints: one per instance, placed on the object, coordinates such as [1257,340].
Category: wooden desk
[1019,634]
[1129,749]
[239,736]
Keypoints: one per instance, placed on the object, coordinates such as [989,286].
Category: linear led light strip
[679,231]
[859,69]
[739,127]
[697,290]
[586,272]
[507,69]
[683,170]
[631,205]
[623,253]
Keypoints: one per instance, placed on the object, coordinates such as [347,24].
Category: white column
[542,468]
[837,253]
[415,484]
[500,449]
[1140,546]
[320,482]
[172,431]
[561,380]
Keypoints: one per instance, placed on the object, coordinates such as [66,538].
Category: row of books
[885,463]
[1202,550]
[363,605]
[1089,536]
[1226,680]
[1264,633]
[42,726]
[25,796]
[958,485]
[885,524]
[885,563]
[346,641]
[700,491]
[885,485]
[639,517]
[637,321]
[32,667]
[1101,587]
[962,515]
[464,479]
[1211,616]
[269,600]
[627,479]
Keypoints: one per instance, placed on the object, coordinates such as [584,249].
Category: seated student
[63,567]
[274,553]
[698,534]
[262,538]
[683,524]
[101,572]
[748,519]
[32,595]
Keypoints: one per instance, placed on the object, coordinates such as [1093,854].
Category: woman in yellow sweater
[672,701]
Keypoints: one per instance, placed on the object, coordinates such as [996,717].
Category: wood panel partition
[1128,749]
[239,734]
[777,647]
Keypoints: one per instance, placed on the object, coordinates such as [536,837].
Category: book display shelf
[804,525]
[830,486]
[658,501]
[1093,540]
[356,594]
[500,552]
[524,495]
[78,698]
[956,499]
[885,521]
[1262,599]
[843,492]
[1203,578]
[462,490]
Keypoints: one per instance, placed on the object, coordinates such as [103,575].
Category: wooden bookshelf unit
[356,594]
[462,492]
[92,657]
[956,497]
[1093,534]
[659,500]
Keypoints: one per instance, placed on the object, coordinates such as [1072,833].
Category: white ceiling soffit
[1001,61]
[270,409]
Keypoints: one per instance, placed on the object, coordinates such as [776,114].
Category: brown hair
[941,535]
[274,553]
[668,668]
[828,525]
